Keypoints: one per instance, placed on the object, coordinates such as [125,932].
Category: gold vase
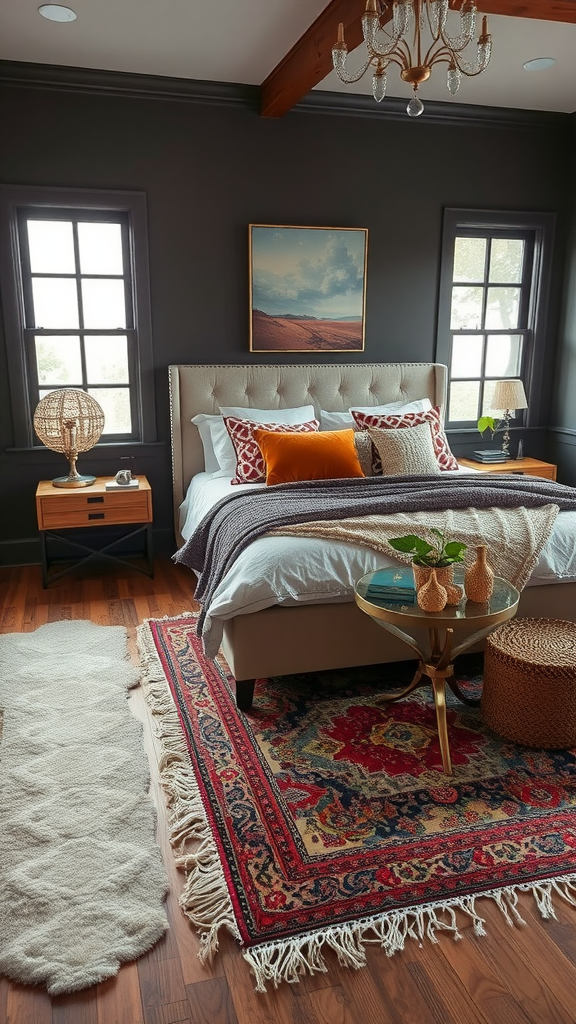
[479,578]
[432,597]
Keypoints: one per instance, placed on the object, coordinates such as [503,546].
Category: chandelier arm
[468,69]
[434,32]
[460,42]
[405,54]
[393,59]
[394,41]
[442,56]
[355,77]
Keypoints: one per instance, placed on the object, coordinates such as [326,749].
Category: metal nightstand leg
[44,558]
[149,550]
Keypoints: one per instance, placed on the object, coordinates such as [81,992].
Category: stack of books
[490,455]
[392,586]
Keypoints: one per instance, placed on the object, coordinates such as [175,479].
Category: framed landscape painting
[307,288]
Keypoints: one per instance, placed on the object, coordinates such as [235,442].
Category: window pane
[107,360]
[502,308]
[58,361]
[466,308]
[104,304]
[55,302]
[51,247]
[100,248]
[464,397]
[504,355]
[116,405]
[506,260]
[487,407]
[467,355]
[469,259]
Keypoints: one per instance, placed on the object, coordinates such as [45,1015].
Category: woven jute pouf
[529,692]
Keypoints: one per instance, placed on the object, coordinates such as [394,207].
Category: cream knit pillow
[405,451]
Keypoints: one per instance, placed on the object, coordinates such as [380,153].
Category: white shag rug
[82,882]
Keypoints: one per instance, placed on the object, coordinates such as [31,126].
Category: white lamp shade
[509,395]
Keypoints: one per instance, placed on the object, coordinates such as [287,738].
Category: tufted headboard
[329,386]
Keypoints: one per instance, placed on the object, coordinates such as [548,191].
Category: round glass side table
[437,638]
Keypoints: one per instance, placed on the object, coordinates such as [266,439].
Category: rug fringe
[205,898]
[289,959]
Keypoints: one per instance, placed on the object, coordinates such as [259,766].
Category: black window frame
[18,203]
[537,230]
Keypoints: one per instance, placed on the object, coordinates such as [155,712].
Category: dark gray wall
[562,433]
[210,168]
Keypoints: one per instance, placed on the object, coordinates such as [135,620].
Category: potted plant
[437,553]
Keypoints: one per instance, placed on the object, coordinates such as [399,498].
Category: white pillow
[397,408]
[344,420]
[211,429]
[336,421]
[405,452]
[219,454]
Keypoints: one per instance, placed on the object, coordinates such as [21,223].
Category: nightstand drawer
[61,509]
[54,515]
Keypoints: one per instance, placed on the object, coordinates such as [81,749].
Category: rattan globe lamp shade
[69,421]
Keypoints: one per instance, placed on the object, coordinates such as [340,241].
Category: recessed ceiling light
[55,12]
[539,63]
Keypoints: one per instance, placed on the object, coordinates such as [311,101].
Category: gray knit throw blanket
[241,518]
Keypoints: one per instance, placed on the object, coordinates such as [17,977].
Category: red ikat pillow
[250,464]
[444,456]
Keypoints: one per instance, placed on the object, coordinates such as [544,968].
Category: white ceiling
[243,40]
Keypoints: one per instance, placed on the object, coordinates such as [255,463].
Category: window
[77,310]
[492,297]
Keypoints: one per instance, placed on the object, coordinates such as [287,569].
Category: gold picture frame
[307,288]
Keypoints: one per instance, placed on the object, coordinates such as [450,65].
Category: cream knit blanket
[514,536]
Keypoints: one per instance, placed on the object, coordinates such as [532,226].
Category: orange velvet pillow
[329,454]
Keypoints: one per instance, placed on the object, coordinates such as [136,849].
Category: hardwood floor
[512,976]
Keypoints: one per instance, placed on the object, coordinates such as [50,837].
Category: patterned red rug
[321,818]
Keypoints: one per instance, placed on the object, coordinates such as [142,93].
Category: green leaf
[437,533]
[411,545]
[455,550]
[487,423]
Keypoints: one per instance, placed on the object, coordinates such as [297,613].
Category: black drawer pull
[94,501]
[96,515]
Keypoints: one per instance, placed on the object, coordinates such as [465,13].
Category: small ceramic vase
[454,593]
[479,578]
[432,597]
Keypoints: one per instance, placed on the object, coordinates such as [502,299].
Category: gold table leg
[439,688]
[439,669]
[385,698]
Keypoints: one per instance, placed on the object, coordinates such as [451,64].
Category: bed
[323,634]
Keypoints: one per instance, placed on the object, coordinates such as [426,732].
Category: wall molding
[568,434]
[124,84]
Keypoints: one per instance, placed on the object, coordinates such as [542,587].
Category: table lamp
[69,421]
[509,395]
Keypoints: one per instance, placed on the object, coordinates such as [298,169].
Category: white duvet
[303,570]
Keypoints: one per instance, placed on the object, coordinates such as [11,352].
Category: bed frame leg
[244,693]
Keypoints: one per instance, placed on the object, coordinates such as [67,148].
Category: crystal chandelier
[414,60]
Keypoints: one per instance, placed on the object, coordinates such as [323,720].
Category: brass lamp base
[73,481]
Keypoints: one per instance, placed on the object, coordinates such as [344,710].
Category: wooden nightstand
[60,508]
[523,467]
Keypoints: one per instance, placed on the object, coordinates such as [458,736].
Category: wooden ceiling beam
[541,10]
[310,59]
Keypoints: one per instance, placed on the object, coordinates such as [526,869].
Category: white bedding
[294,570]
